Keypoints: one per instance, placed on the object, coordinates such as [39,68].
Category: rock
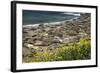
[54,46]
[70,39]
[30,45]
[26,39]
[57,40]
[26,52]
[66,40]
[42,48]
[47,29]
[40,43]
[27,45]
[25,30]
[47,41]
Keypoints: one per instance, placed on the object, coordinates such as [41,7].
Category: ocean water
[36,17]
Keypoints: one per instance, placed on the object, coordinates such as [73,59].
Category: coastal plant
[73,51]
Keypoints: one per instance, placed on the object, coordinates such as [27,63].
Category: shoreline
[50,23]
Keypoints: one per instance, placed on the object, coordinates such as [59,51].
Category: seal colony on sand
[54,35]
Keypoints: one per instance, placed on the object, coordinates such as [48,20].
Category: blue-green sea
[36,17]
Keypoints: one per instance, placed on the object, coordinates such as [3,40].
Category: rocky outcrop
[54,35]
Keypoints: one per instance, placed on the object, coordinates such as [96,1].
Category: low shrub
[74,51]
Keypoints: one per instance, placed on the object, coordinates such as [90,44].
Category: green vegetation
[73,51]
